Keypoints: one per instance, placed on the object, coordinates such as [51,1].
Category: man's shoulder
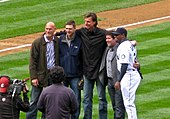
[100,30]
[125,42]
[62,37]
[39,39]
[124,45]
[96,29]
[68,90]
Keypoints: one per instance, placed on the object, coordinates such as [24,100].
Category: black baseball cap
[119,31]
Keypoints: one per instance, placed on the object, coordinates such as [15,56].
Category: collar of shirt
[46,40]
[111,49]
[122,40]
[69,39]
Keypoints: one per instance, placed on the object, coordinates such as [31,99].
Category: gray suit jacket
[102,71]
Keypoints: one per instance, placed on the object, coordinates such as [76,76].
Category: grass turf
[152,99]
[20,17]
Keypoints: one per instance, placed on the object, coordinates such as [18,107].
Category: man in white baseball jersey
[130,78]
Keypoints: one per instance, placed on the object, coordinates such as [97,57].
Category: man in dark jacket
[93,46]
[43,56]
[57,101]
[11,105]
[71,60]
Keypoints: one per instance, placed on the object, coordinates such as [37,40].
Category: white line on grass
[127,25]
[17,47]
[4,0]
[142,22]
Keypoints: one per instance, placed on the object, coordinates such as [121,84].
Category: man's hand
[35,82]
[136,65]
[117,85]
[25,89]
[134,42]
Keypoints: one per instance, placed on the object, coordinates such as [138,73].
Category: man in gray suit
[108,74]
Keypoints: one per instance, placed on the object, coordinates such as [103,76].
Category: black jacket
[10,107]
[93,46]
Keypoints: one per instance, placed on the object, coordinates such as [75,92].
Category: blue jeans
[35,93]
[73,82]
[117,100]
[88,98]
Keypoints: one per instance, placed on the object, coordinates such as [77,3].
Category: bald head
[51,24]
[49,30]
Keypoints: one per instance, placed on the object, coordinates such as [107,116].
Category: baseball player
[130,78]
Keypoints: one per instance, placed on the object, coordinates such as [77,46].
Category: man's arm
[23,105]
[60,33]
[34,56]
[123,71]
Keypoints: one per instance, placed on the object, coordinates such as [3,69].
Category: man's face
[119,37]
[89,23]
[49,30]
[110,41]
[70,30]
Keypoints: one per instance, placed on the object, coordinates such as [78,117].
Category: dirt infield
[107,19]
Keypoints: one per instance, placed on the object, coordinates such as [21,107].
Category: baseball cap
[120,30]
[4,84]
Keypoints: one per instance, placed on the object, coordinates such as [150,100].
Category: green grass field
[20,17]
[152,98]
[153,95]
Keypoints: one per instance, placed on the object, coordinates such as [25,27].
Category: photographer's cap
[4,84]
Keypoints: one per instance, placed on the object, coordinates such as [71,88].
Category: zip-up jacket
[70,57]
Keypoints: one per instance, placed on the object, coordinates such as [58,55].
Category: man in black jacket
[93,46]
[11,105]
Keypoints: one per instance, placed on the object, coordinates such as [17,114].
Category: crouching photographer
[11,102]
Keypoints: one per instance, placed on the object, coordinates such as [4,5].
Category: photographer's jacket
[10,108]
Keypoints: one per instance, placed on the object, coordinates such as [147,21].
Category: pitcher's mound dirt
[108,19]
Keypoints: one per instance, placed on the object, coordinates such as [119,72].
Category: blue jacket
[70,57]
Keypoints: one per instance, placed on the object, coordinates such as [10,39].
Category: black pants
[117,100]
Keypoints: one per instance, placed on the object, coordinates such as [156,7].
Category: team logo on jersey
[123,56]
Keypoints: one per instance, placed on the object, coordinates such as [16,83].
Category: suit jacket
[38,63]
[102,71]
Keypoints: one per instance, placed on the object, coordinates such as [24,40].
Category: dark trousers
[117,100]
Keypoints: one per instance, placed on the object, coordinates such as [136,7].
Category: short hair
[57,74]
[110,33]
[71,22]
[93,16]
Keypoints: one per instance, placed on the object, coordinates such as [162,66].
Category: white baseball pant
[129,85]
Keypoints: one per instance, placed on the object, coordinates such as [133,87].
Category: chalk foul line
[4,0]
[17,47]
[127,25]
[142,22]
